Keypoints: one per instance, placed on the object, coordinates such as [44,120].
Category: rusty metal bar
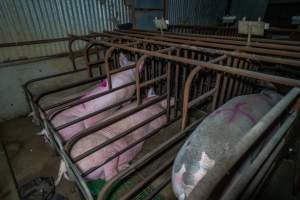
[201,98]
[229,41]
[217,88]
[140,186]
[191,46]
[216,67]
[255,50]
[158,188]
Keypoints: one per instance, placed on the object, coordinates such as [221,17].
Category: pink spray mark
[234,112]
[103,83]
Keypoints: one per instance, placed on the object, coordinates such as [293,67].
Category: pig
[112,168]
[215,136]
[88,107]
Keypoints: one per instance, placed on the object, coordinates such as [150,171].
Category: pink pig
[110,169]
[73,113]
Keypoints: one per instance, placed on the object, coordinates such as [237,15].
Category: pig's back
[219,133]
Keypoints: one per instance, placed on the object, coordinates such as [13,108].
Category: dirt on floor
[30,157]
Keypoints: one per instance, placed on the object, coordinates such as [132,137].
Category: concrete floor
[30,158]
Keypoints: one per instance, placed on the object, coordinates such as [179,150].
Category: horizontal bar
[201,98]
[161,186]
[32,42]
[192,46]
[146,83]
[141,185]
[236,71]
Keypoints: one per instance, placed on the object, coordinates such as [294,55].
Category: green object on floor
[121,188]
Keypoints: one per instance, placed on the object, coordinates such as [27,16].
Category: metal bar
[201,98]
[192,46]
[217,88]
[246,73]
[197,41]
[139,187]
[162,77]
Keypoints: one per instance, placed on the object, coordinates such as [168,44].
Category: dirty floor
[29,156]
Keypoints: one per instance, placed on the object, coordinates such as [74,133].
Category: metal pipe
[255,50]
[185,44]
[216,67]
[140,186]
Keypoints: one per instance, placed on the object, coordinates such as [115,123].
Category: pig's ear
[151,93]
[123,60]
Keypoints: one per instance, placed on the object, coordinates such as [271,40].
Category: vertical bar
[217,87]
[230,86]
[224,86]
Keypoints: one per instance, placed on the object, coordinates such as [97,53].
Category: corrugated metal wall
[252,9]
[196,12]
[25,20]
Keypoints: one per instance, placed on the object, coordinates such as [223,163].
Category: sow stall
[192,80]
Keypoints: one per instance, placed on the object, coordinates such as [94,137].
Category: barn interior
[140,99]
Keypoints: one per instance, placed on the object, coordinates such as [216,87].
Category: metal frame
[184,63]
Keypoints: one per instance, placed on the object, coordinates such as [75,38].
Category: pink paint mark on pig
[235,111]
[103,83]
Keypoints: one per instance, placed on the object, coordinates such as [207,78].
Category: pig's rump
[113,167]
[215,137]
